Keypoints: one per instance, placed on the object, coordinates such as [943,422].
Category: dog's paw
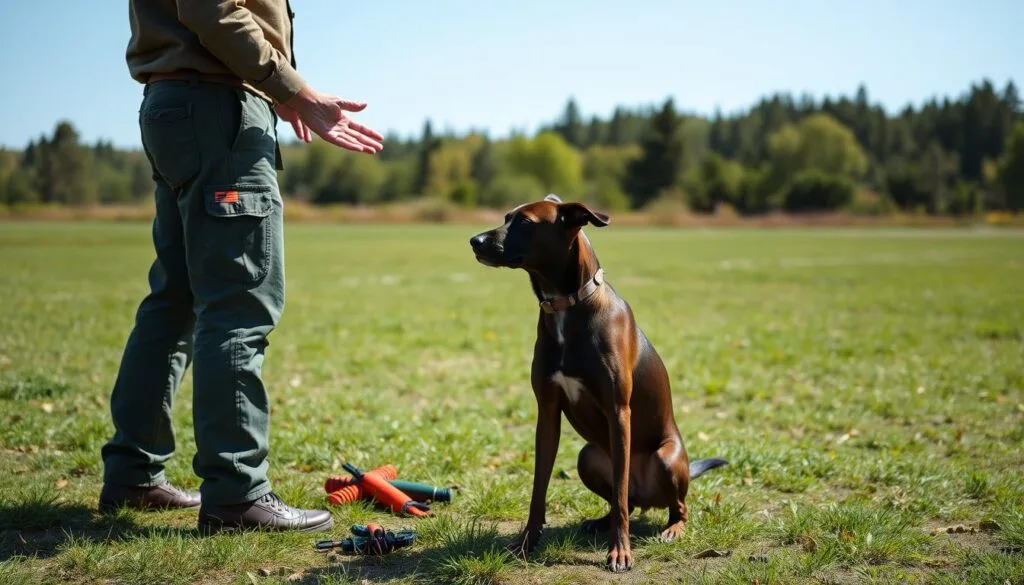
[620,557]
[673,531]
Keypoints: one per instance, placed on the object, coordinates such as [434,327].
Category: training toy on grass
[371,539]
[380,490]
[345,490]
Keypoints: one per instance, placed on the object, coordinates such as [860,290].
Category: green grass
[867,387]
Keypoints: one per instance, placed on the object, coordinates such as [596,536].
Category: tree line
[954,156]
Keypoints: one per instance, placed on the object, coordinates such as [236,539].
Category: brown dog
[592,362]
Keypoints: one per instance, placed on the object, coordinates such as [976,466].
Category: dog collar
[563,303]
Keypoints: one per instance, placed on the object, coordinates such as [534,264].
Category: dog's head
[534,233]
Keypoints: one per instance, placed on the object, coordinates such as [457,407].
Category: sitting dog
[593,363]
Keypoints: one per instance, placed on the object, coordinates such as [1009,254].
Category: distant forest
[957,156]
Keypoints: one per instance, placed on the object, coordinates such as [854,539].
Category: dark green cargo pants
[216,291]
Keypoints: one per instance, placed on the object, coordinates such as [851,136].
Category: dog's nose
[477,241]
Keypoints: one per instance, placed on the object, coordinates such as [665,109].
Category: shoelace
[175,490]
[275,502]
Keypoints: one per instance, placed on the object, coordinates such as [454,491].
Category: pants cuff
[255,493]
[133,478]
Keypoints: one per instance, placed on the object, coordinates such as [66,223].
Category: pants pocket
[254,144]
[169,136]
[237,246]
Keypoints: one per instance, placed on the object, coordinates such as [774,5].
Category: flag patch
[225,196]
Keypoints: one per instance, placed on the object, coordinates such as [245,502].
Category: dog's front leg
[620,556]
[549,420]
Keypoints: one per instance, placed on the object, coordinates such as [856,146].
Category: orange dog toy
[335,483]
[385,493]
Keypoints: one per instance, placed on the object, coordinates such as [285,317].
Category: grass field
[867,387]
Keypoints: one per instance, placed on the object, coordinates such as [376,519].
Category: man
[218,74]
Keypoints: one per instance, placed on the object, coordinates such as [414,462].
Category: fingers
[351,106]
[301,132]
[301,129]
[366,130]
[342,140]
[351,134]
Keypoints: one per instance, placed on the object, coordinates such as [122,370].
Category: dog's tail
[699,467]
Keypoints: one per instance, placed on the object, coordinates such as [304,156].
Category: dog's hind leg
[672,480]
[676,525]
[595,470]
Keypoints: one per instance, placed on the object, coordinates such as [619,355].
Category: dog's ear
[553,198]
[578,215]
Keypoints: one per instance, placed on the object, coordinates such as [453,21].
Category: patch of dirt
[964,534]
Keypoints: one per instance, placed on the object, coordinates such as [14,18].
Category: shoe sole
[212,528]
[111,507]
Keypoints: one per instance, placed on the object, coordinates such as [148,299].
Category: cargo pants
[216,291]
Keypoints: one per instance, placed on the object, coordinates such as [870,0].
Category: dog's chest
[572,388]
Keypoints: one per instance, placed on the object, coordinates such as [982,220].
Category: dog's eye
[524,220]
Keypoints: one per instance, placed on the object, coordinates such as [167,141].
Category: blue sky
[499,65]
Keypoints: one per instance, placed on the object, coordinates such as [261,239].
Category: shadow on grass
[449,550]
[39,526]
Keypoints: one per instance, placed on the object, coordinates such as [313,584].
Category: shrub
[867,202]
[507,190]
[813,190]
[464,193]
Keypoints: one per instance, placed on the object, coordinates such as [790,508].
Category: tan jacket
[251,39]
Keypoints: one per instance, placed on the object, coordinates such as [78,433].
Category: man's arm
[227,29]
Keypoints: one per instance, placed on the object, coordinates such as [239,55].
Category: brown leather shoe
[161,497]
[268,513]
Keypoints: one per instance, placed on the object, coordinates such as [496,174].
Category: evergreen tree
[617,128]
[428,144]
[595,132]
[485,164]
[570,126]
[63,163]
[661,162]
[1011,169]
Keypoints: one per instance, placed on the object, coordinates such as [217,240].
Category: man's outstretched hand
[324,115]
